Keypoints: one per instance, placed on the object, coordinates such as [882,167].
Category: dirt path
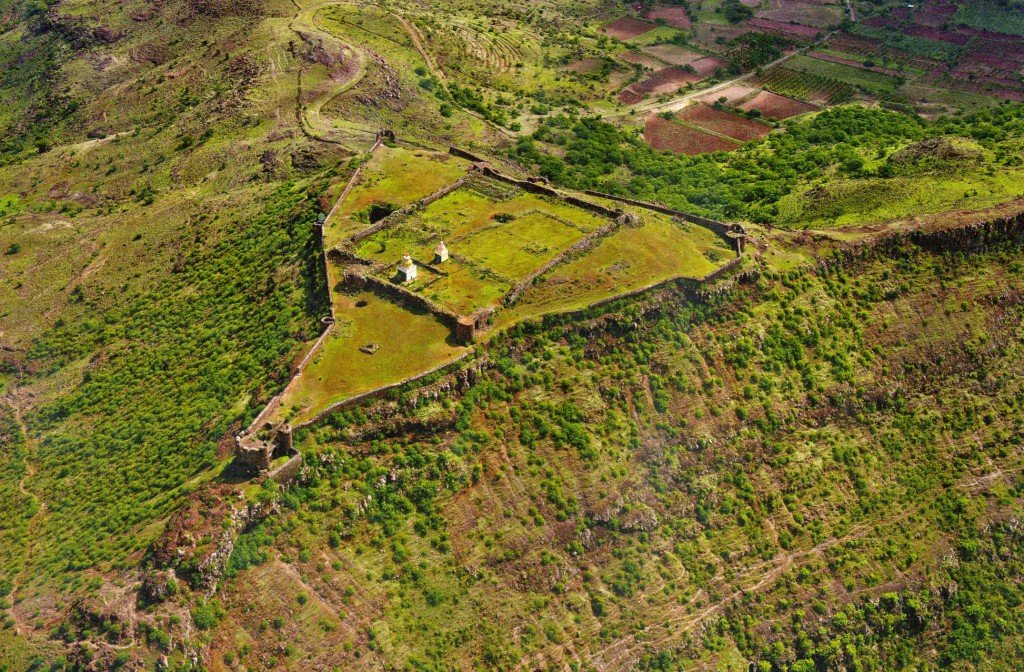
[309,117]
[20,625]
[681,101]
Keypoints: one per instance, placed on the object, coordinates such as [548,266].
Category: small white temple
[440,253]
[406,268]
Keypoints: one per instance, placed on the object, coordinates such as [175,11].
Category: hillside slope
[818,469]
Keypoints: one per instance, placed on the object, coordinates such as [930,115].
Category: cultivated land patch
[815,15]
[668,80]
[867,80]
[788,29]
[673,16]
[628,28]
[805,86]
[672,136]
[724,123]
[586,66]
[673,54]
[732,94]
[644,59]
[774,106]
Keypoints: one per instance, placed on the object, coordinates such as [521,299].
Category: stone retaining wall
[380,392]
[275,401]
[288,472]
[402,296]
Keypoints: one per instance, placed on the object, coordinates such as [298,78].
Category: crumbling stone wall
[723,229]
[382,391]
[514,294]
[288,472]
[401,296]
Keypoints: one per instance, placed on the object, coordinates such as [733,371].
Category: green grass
[394,176]
[756,430]
[629,259]
[873,200]
[410,343]
[516,248]
[489,255]
[870,81]
[656,35]
[920,46]
[993,16]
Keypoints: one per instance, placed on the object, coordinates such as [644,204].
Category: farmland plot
[671,136]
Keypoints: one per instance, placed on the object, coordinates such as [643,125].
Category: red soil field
[785,28]
[775,106]
[891,19]
[667,135]
[706,66]
[725,123]
[627,29]
[673,16]
[855,44]
[935,14]
[818,15]
[938,34]
[996,62]
[667,80]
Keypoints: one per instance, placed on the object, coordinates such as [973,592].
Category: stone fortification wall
[383,391]
[721,228]
[579,247]
[402,296]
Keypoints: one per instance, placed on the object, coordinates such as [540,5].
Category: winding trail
[311,121]
[20,626]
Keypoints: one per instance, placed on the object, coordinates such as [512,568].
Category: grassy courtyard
[496,235]
[630,259]
[410,343]
[393,178]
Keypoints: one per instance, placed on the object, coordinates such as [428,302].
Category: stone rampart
[579,247]
[723,229]
[381,391]
[288,472]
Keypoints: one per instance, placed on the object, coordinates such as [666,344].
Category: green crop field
[999,17]
[865,79]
